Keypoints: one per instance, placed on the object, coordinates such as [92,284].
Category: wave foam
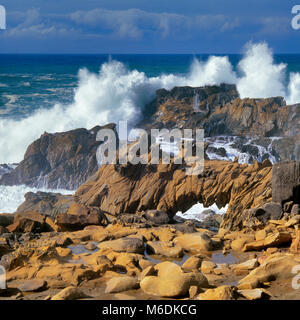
[116,93]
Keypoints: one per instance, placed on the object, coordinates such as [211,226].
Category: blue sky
[152,26]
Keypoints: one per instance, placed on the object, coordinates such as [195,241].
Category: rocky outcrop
[135,188]
[222,112]
[286,182]
[61,160]
[49,204]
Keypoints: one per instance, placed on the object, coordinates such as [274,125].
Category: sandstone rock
[193,291]
[254,294]
[90,246]
[46,203]
[70,293]
[156,217]
[168,269]
[175,286]
[120,284]
[144,187]
[220,293]
[32,285]
[208,266]
[193,263]
[277,266]
[149,271]
[130,245]
[68,222]
[245,266]
[29,222]
[222,269]
[293,221]
[78,210]
[272,240]
[260,235]
[295,246]
[195,242]
[238,244]
[63,252]
[164,248]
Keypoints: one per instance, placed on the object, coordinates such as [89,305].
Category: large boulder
[130,245]
[46,203]
[173,285]
[195,242]
[73,222]
[61,160]
[164,248]
[120,284]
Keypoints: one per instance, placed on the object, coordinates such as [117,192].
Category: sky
[147,26]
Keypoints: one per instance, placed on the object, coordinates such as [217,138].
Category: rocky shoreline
[116,238]
[86,253]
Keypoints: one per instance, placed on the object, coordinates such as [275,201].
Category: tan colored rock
[176,285]
[149,271]
[165,248]
[222,269]
[78,210]
[70,293]
[167,269]
[254,294]
[277,266]
[247,265]
[193,291]
[195,242]
[63,252]
[295,246]
[120,284]
[131,245]
[293,221]
[220,293]
[208,266]
[238,244]
[260,235]
[272,240]
[193,263]
[271,251]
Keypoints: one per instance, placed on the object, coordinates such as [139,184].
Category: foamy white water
[195,212]
[12,196]
[116,93]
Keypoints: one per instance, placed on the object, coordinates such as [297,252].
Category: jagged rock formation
[61,160]
[224,113]
[274,125]
[135,188]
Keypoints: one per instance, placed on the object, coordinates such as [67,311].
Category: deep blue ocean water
[30,82]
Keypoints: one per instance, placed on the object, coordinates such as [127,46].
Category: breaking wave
[117,93]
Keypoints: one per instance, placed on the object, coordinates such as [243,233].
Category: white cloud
[135,24]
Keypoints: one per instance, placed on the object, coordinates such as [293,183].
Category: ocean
[55,93]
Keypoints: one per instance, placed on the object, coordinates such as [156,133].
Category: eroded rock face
[169,189]
[61,160]
[286,182]
[222,112]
